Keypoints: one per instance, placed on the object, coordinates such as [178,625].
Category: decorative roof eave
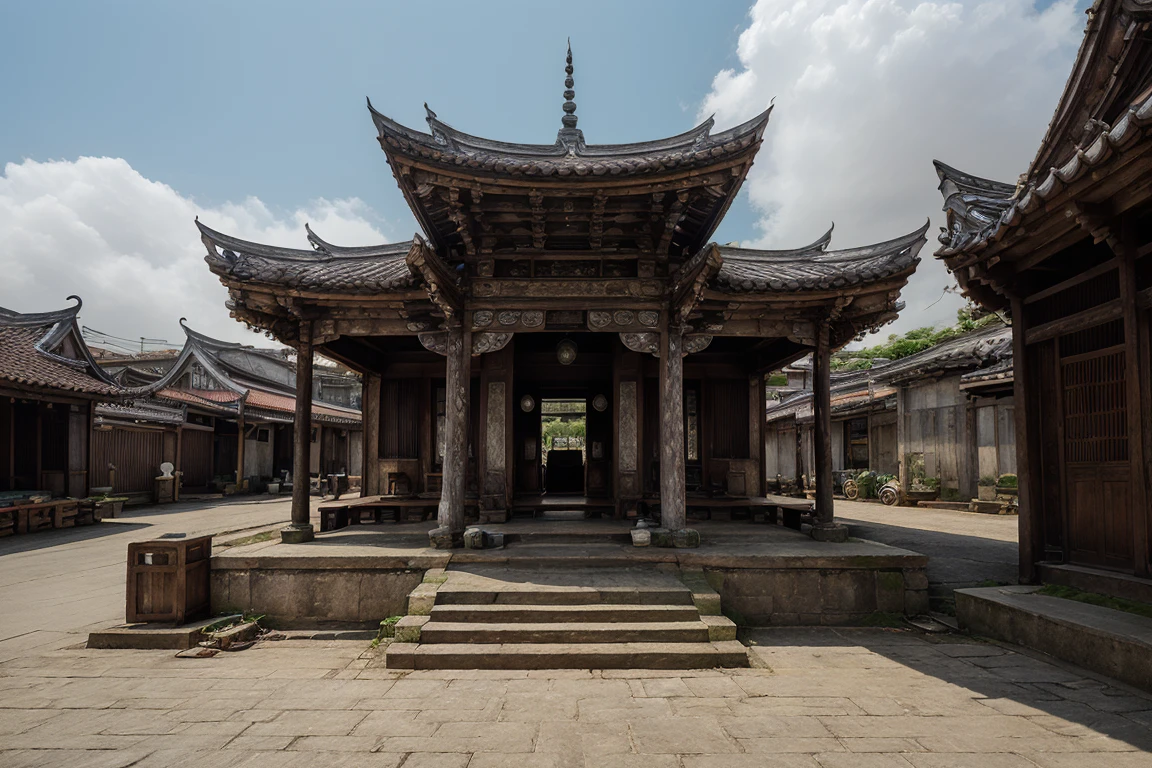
[327,269]
[814,269]
[446,146]
[1108,144]
[979,349]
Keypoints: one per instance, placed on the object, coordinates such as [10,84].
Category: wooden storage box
[168,580]
[64,514]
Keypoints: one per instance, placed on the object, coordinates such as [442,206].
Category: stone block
[890,591]
[641,537]
[915,602]
[848,591]
[421,599]
[241,633]
[445,538]
[661,537]
[488,516]
[297,534]
[407,630]
[493,540]
[719,628]
[474,538]
[831,532]
[915,578]
[686,538]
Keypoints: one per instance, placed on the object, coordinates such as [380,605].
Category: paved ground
[828,698]
[963,548]
[58,583]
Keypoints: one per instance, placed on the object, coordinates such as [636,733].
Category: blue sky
[223,100]
[125,120]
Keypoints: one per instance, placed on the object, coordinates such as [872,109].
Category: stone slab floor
[822,698]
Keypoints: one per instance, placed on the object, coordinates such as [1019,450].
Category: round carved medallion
[600,403]
[527,403]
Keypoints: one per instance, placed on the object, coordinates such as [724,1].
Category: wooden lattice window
[1095,408]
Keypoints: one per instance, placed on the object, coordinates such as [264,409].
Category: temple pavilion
[572,272]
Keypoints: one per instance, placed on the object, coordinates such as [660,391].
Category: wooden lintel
[1102,313]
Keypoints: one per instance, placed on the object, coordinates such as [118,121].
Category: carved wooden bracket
[481,342]
[441,283]
[650,343]
[688,286]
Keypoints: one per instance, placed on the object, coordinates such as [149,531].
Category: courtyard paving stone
[816,699]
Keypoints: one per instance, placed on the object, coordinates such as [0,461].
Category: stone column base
[445,538]
[297,534]
[834,532]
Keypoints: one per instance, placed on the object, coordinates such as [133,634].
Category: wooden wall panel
[136,454]
[196,457]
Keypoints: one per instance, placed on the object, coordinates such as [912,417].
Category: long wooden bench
[375,509]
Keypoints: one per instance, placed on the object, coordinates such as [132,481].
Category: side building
[1067,250]
[944,413]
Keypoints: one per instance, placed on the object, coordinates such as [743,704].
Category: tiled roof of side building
[367,269]
[31,354]
[813,268]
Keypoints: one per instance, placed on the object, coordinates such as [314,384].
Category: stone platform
[765,574]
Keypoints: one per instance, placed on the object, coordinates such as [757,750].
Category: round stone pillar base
[835,532]
[297,534]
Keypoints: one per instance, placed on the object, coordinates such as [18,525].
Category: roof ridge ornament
[571,137]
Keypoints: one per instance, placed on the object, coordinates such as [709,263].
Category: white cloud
[869,92]
[128,246]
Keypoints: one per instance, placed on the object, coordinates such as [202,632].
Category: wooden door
[1097,471]
[196,457]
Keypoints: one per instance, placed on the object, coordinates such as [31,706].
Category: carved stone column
[458,352]
[826,529]
[370,481]
[300,530]
[673,513]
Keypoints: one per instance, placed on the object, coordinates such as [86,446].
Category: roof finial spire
[569,119]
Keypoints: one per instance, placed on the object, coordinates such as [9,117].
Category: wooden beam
[688,285]
[1026,398]
[822,425]
[450,516]
[370,484]
[1110,310]
[441,283]
[1134,375]
[673,514]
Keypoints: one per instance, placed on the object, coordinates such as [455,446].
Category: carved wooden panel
[494,480]
[627,437]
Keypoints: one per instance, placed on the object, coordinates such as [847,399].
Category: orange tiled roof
[22,363]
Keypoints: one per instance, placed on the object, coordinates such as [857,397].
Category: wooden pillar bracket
[439,281]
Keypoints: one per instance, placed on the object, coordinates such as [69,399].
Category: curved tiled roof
[812,268]
[369,269]
[1015,207]
[569,156]
[28,356]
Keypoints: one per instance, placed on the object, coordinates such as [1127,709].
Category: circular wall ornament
[566,352]
[600,403]
[527,403]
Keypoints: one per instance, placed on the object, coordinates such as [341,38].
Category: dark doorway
[563,430]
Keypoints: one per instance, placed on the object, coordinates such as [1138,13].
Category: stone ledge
[1104,640]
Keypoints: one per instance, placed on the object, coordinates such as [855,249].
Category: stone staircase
[489,617]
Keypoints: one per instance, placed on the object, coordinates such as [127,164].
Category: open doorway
[563,432]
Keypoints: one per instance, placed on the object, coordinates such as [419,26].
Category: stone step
[597,613]
[547,596]
[567,656]
[565,632]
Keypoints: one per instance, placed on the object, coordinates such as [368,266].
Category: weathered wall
[355,452]
[936,425]
[833,595]
[258,455]
[995,436]
[882,448]
[343,598]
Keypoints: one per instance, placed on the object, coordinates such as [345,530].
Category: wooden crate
[9,521]
[64,514]
[168,580]
[35,517]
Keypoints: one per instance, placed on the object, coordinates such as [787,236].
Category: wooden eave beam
[441,284]
[688,287]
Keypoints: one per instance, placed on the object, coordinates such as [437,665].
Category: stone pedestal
[834,532]
[297,534]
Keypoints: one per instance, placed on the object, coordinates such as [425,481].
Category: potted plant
[1007,485]
[986,488]
[923,489]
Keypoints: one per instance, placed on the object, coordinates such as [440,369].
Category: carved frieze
[482,318]
[598,318]
[565,317]
[641,289]
[435,342]
[693,344]
[648,318]
[489,342]
[641,342]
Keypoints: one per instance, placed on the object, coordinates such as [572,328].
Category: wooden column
[300,530]
[1133,375]
[673,514]
[1030,508]
[451,513]
[370,484]
[240,450]
[822,425]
